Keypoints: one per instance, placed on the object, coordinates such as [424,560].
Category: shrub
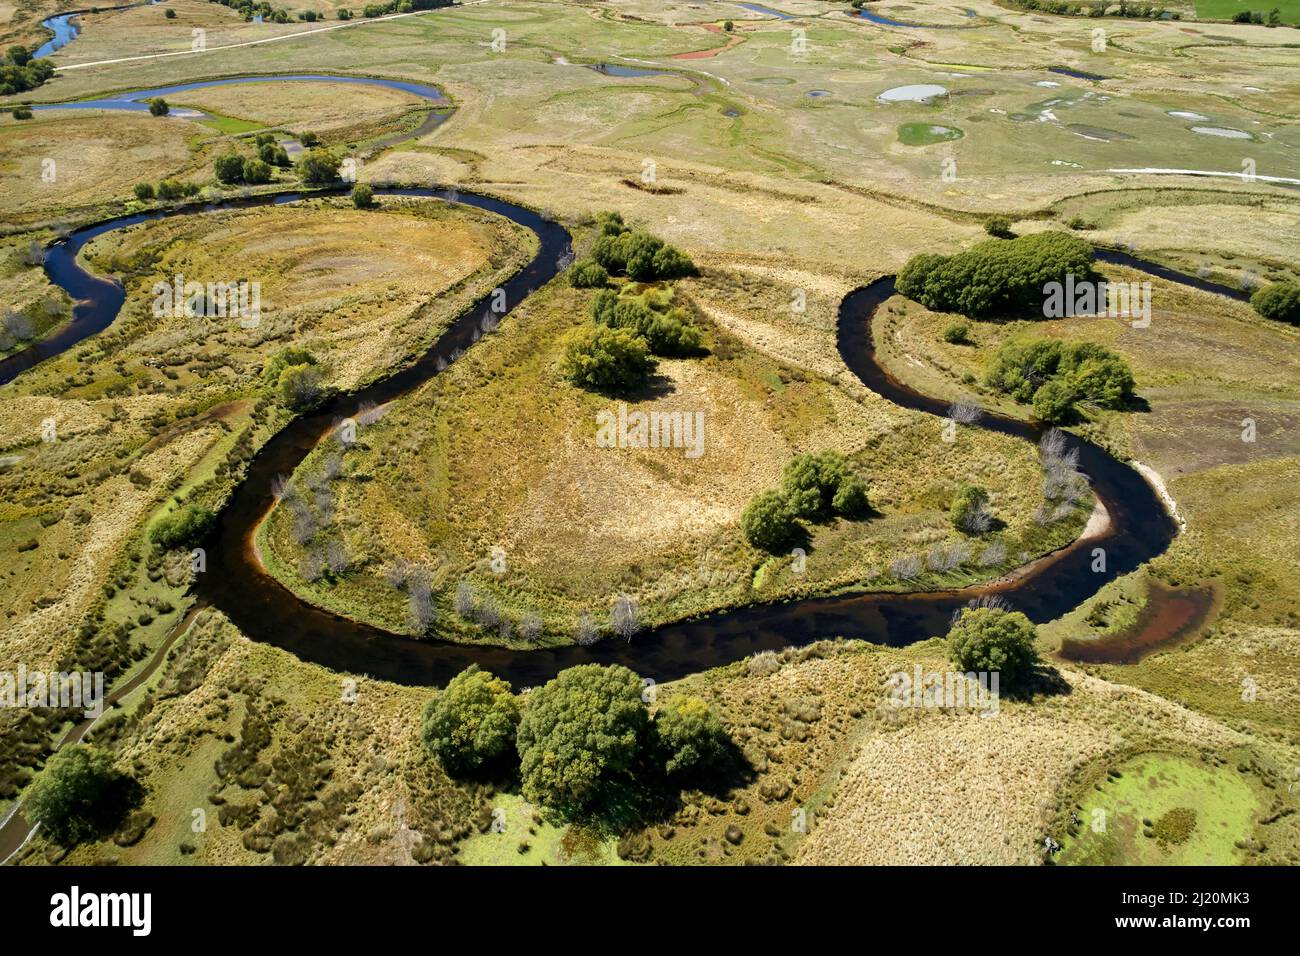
[601,358]
[308,139]
[170,189]
[293,355]
[144,191]
[999,227]
[1280,301]
[996,277]
[169,13]
[991,639]
[256,172]
[72,798]
[967,510]
[317,167]
[229,167]
[301,386]
[184,528]
[767,522]
[819,486]
[691,737]
[344,13]
[158,107]
[958,333]
[588,274]
[579,732]
[470,726]
[671,334]
[363,197]
[22,113]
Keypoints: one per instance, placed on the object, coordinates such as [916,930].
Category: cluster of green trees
[997,277]
[670,333]
[1099,8]
[20,73]
[1273,18]
[621,250]
[166,189]
[1279,301]
[993,639]
[615,353]
[297,377]
[231,168]
[574,739]
[1056,375]
[814,488]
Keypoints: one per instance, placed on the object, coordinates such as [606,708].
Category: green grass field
[1224,9]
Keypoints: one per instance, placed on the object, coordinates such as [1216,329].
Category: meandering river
[265,610]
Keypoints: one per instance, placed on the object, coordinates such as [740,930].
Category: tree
[588,274]
[318,167]
[991,639]
[819,486]
[73,797]
[967,510]
[158,107]
[1279,301]
[579,732]
[229,168]
[18,55]
[256,172]
[301,386]
[272,153]
[623,618]
[1054,401]
[605,359]
[691,737]
[363,197]
[184,528]
[293,355]
[470,726]
[767,522]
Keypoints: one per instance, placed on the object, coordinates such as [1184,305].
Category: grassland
[445,480]
[102,440]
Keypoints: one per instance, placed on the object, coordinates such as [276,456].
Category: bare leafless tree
[623,617]
[587,633]
[530,628]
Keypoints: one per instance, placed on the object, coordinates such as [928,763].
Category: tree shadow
[1042,681]
[647,796]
